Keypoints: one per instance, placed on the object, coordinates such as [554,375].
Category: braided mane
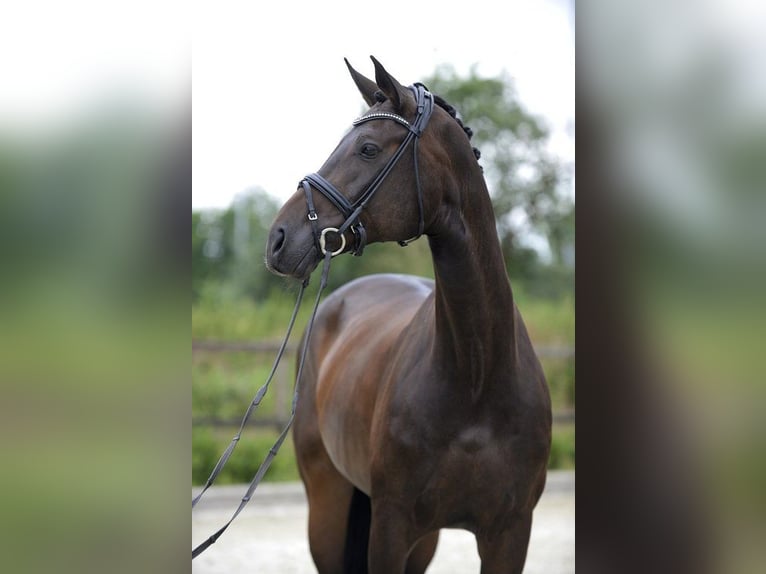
[447,107]
[450,109]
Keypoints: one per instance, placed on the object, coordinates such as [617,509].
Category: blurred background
[671,308]
[95,174]
[95,178]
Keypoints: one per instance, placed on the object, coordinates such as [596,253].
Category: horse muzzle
[291,253]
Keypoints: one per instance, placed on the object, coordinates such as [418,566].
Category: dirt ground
[269,536]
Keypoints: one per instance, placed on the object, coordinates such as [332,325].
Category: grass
[549,321]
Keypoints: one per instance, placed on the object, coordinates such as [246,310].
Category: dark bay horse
[422,403]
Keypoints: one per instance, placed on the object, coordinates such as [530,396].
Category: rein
[254,404]
[352,211]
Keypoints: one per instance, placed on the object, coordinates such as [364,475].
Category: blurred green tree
[525,180]
[228,247]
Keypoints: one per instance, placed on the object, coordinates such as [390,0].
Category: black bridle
[352,210]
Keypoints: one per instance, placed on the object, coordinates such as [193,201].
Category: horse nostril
[277,240]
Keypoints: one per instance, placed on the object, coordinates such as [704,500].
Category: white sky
[61,60]
[271,94]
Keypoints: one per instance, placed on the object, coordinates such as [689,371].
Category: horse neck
[474,311]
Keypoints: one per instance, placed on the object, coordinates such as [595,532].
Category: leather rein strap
[352,210]
[260,473]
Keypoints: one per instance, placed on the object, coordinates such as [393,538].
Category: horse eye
[369,150]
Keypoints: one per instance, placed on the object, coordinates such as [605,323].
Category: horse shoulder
[356,331]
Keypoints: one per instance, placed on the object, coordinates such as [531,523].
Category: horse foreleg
[422,554]
[505,551]
[389,540]
[329,498]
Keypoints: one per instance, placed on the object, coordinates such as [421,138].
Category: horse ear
[366,86]
[388,84]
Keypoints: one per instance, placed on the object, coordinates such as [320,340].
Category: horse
[422,404]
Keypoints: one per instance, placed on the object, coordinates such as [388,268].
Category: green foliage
[223,384]
[208,444]
[562,448]
[560,375]
[223,387]
[550,321]
[228,246]
[526,182]
[220,313]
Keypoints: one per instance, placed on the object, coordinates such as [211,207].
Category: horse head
[383,182]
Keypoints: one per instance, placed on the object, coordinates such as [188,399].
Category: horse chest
[467,482]
[459,471]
